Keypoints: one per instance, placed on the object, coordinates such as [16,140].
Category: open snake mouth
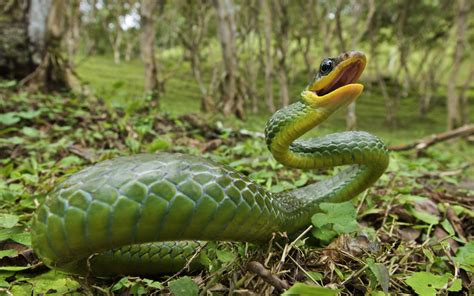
[348,75]
[337,72]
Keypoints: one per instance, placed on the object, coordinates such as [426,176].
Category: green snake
[146,214]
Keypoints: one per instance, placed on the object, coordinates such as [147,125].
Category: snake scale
[145,214]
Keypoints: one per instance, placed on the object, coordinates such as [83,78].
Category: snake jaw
[337,88]
[334,100]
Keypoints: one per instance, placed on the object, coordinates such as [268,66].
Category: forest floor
[411,232]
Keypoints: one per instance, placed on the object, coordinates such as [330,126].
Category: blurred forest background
[87,80]
[248,58]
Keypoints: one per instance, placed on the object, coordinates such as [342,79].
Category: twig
[267,276]
[288,247]
[463,131]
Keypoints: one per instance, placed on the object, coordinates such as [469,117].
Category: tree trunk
[403,45]
[267,29]
[148,11]
[54,71]
[116,43]
[463,95]
[454,105]
[231,102]
[281,9]
[73,28]
[196,15]
[16,51]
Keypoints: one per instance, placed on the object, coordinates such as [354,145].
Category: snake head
[334,84]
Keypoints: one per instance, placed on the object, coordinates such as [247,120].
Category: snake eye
[326,66]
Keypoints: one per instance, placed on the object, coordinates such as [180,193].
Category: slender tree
[148,11]
[453,98]
[282,42]
[193,36]
[267,31]
[231,102]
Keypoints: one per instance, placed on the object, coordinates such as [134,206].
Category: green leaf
[448,227]
[225,256]
[17,234]
[9,118]
[14,268]
[381,274]
[8,83]
[341,217]
[53,281]
[29,114]
[122,283]
[184,286]
[465,257]
[307,290]
[428,284]
[7,253]
[316,276]
[153,284]
[30,132]
[158,144]
[70,161]
[456,286]
[8,220]
[423,216]
[324,233]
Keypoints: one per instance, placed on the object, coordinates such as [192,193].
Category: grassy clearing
[121,86]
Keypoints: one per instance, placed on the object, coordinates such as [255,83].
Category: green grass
[122,86]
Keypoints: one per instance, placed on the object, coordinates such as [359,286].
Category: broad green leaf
[448,227]
[465,257]
[22,289]
[17,234]
[4,284]
[9,118]
[122,283]
[423,216]
[7,253]
[409,199]
[30,132]
[54,281]
[428,284]
[225,256]
[153,284]
[307,290]
[456,285]
[184,286]
[7,83]
[324,233]
[69,161]
[8,220]
[341,217]
[158,144]
[29,114]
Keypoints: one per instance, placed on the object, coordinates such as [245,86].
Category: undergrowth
[410,233]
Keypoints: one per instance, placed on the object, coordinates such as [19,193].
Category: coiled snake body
[126,215]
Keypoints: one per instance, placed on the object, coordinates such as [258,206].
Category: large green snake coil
[140,214]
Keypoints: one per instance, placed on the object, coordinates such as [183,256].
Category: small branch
[463,131]
[267,276]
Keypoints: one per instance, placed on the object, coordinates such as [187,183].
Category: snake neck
[364,153]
